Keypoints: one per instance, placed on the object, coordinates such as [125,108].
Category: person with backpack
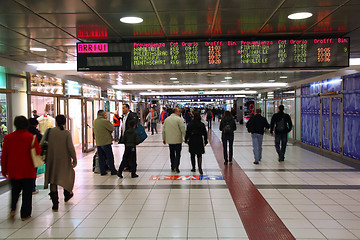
[196,137]
[281,123]
[209,118]
[256,126]
[227,128]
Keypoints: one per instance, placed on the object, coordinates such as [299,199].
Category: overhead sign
[186,177]
[214,55]
[197,97]
[92,47]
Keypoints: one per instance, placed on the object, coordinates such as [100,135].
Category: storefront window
[44,109]
[2,77]
[3,123]
[44,84]
[75,121]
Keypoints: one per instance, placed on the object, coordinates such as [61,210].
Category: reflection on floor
[315,197]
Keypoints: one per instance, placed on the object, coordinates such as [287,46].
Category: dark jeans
[105,152]
[129,159]
[175,154]
[209,121]
[225,138]
[26,185]
[153,126]
[281,138]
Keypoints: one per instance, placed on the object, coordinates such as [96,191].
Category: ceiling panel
[9,6]
[23,20]
[185,5]
[46,32]
[63,6]
[116,6]
[308,4]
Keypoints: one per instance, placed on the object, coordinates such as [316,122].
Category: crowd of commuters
[178,126]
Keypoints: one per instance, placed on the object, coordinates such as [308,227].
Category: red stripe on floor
[259,219]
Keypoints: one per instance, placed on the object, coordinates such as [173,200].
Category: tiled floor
[315,197]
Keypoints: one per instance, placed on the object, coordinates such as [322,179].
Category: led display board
[214,55]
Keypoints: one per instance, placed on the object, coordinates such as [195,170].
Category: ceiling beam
[1,25]
[271,15]
[158,18]
[332,12]
[38,15]
[102,19]
[214,18]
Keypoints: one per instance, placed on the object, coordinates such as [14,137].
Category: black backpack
[281,126]
[227,128]
[250,125]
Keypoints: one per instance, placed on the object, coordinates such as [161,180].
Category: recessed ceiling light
[228,77]
[149,90]
[283,77]
[247,88]
[36,49]
[223,81]
[173,78]
[129,82]
[131,20]
[300,15]
[271,80]
[175,81]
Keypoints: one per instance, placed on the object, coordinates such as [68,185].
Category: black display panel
[214,55]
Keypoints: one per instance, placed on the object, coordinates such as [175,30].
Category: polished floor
[308,196]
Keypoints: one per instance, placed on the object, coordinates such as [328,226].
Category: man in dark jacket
[256,126]
[283,125]
[131,139]
[127,116]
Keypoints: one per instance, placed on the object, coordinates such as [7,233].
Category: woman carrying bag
[60,161]
[17,165]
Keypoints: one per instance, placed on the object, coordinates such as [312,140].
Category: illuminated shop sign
[213,55]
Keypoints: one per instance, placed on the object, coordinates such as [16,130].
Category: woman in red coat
[17,165]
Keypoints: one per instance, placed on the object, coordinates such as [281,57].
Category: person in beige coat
[173,133]
[60,161]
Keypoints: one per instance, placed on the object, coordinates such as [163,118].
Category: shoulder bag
[38,160]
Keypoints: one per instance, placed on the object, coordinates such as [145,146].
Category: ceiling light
[271,80]
[131,20]
[228,77]
[300,15]
[129,82]
[36,49]
[204,86]
[149,90]
[175,81]
[173,78]
[283,77]
[223,81]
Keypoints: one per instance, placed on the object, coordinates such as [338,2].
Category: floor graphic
[187,177]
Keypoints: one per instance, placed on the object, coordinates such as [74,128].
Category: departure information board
[214,55]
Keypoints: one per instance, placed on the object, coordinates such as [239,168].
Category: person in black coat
[196,137]
[256,126]
[33,123]
[227,128]
[282,124]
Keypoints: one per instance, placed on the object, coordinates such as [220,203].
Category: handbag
[141,131]
[38,160]
[44,145]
